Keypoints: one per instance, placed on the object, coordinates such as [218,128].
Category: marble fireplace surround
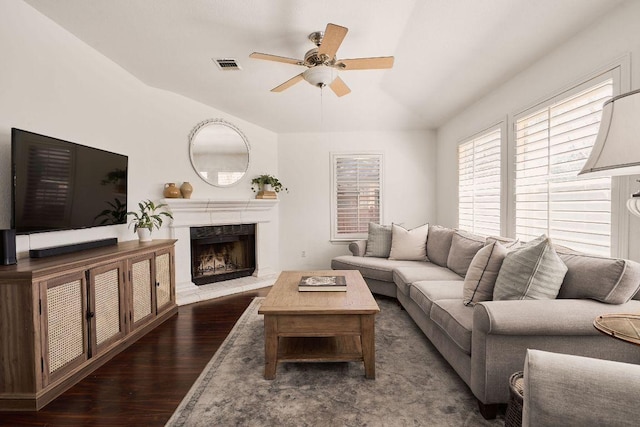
[189,213]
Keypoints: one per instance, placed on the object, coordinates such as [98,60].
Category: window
[552,145]
[356,201]
[479,179]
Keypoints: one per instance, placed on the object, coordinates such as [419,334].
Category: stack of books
[322,284]
[267,195]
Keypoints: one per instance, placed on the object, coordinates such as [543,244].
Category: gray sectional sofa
[487,341]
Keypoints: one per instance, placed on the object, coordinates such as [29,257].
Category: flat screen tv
[60,185]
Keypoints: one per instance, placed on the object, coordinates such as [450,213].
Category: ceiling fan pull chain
[321,107]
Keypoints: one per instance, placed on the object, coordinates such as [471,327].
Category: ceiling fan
[322,65]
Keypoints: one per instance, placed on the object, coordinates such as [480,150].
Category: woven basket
[513,416]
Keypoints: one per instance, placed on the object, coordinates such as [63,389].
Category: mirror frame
[217,122]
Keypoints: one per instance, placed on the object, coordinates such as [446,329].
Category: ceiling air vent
[227,64]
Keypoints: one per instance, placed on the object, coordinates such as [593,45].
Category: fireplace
[222,252]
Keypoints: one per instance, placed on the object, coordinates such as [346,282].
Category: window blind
[357,194]
[479,184]
[552,145]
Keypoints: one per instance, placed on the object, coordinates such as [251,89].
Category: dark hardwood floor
[143,385]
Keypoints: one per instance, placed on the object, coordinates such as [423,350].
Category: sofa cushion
[425,292]
[405,276]
[534,271]
[378,240]
[371,267]
[439,244]
[464,247]
[608,280]
[482,274]
[455,319]
[410,245]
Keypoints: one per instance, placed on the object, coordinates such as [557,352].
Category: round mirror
[219,152]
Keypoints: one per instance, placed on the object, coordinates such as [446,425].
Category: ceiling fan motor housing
[313,58]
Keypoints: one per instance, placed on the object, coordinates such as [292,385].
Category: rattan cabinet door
[164,280]
[64,322]
[107,310]
[142,291]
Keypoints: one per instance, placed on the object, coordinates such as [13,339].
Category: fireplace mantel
[195,212]
[178,205]
[189,213]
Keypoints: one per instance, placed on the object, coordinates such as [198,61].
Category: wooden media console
[62,317]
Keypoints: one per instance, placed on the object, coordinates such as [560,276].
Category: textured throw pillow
[439,244]
[410,245]
[378,241]
[464,246]
[504,241]
[482,274]
[534,271]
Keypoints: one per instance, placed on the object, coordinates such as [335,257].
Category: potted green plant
[146,218]
[267,183]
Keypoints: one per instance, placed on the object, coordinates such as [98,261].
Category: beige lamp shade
[617,147]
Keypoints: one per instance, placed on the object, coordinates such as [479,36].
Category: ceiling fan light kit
[320,76]
[322,65]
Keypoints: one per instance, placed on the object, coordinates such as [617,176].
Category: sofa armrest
[358,247]
[544,317]
[559,389]
[504,330]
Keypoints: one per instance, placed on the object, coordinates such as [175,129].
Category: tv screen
[60,185]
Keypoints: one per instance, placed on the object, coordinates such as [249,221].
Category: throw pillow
[534,271]
[378,241]
[504,241]
[464,247]
[608,280]
[482,273]
[439,244]
[410,245]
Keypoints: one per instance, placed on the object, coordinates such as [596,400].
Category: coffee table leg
[270,347]
[367,338]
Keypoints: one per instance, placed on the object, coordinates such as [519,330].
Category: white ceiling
[448,53]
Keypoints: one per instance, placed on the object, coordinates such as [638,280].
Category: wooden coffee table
[319,326]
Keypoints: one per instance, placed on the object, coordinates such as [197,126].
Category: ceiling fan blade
[339,87]
[288,83]
[333,36]
[377,63]
[276,58]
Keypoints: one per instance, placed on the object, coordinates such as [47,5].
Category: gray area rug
[414,385]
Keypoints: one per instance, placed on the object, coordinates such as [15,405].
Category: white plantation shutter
[479,189]
[357,182]
[552,145]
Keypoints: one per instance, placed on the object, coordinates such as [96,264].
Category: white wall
[305,168]
[616,35]
[54,84]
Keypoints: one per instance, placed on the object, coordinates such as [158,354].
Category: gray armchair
[568,390]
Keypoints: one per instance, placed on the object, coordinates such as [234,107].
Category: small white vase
[267,187]
[144,234]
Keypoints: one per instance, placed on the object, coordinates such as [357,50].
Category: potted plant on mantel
[267,186]
[146,218]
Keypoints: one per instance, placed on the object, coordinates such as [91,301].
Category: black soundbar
[67,249]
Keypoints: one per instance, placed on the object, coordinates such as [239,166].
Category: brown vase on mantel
[171,191]
[186,189]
